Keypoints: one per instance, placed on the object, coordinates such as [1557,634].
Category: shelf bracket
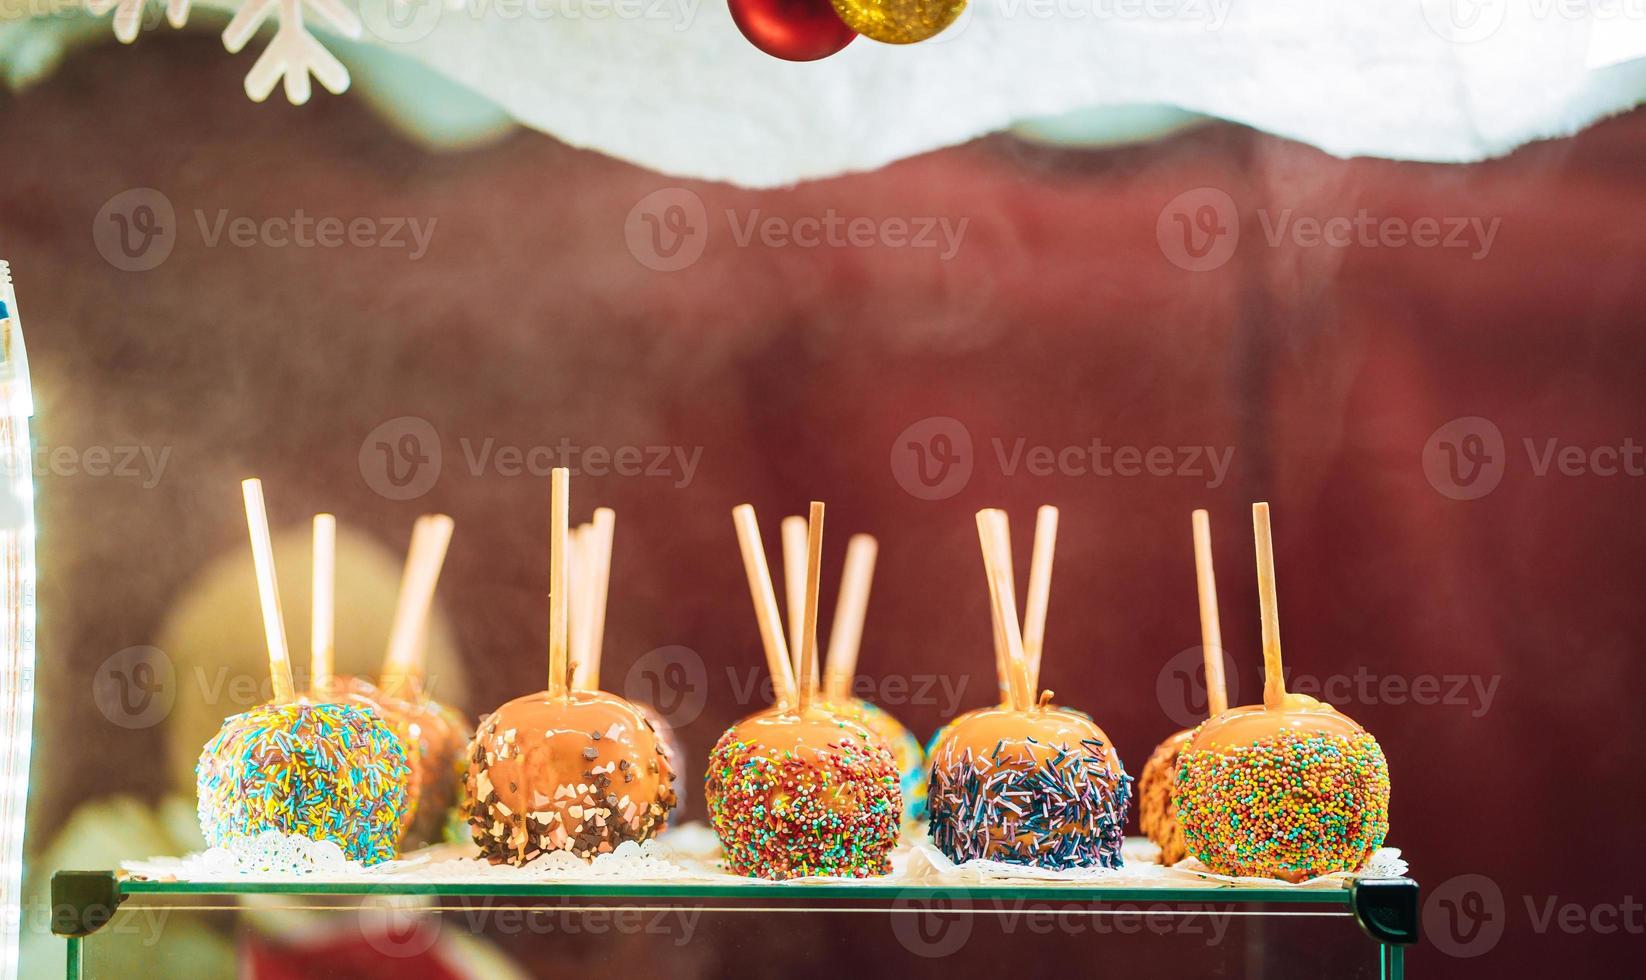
[83,902]
[1387,909]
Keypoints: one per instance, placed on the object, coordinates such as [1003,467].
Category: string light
[17,583]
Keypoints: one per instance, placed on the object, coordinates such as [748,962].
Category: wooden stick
[559,509]
[402,663]
[601,535]
[579,587]
[323,605]
[268,591]
[808,635]
[794,539]
[1211,630]
[1040,592]
[765,604]
[1002,671]
[1004,615]
[850,609]
[1274,679]
[1015,657]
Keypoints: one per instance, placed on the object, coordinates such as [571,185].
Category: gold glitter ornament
[899,21]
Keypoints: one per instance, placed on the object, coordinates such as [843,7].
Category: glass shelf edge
[1220,895]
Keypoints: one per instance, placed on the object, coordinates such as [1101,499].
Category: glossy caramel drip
[1038,734]
[806,735]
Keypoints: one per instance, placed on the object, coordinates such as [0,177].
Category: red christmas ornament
[794,30]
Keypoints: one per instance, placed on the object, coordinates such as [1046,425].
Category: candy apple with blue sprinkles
[1025,783]
[799,790]
[329,772]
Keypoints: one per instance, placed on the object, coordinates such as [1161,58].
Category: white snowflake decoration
[293,55]
[128,15]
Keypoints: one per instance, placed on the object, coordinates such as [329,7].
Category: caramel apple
[580,771]
[326,771]
[1290,789]
[1157,787]
[799,789]
[1038,787]
[803,792]
[563,769]
[1025,783]
[840,662]
[591,552]
[433,736]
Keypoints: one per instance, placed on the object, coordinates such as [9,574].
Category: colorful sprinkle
[907,753]
[324,771]
[1066,810]
[1293,806]
[785,813]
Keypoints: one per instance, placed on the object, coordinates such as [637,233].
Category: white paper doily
[689,853]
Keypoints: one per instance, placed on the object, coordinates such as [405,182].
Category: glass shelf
[1386,911]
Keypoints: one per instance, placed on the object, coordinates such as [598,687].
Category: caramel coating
[583,773]
[1243,726]
[671,746]
[1157,810]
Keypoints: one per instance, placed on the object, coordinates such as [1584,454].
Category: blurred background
[1431,371]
